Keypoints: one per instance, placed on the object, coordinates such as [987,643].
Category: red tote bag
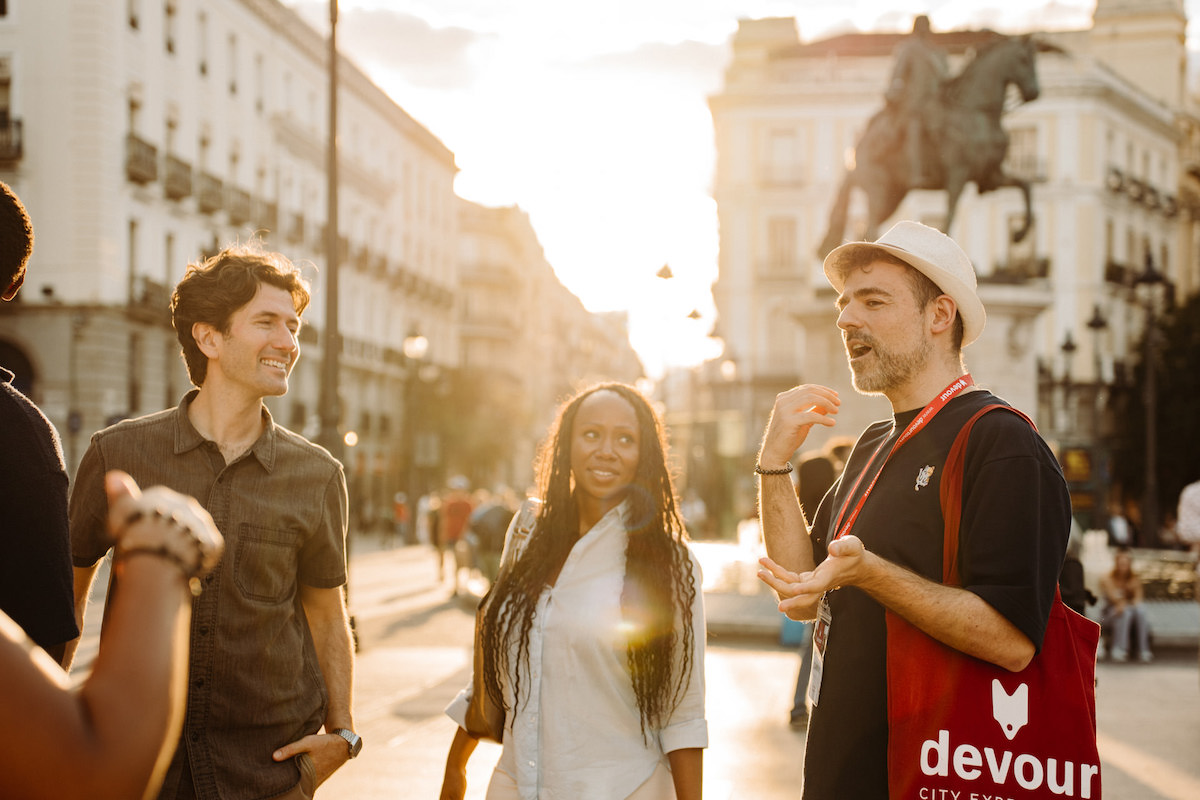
[959,727]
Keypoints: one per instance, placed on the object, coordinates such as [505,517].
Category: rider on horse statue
[920,70]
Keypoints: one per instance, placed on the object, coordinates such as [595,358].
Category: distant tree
[1177,406]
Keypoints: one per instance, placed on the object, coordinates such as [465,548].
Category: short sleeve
[1016,520]
[323,556]
[88,509]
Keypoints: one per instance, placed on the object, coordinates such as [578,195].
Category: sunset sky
[594,119]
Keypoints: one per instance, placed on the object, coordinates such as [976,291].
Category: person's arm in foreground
[114,737]
[454,781]
[953,616]
[330,626]
[687,772]
[785,531]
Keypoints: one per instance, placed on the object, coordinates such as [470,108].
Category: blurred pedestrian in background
[272,660]
[486,526]
[1071,578]
[593,636]
[1187,525]
[35,573]
[1122,592]
[401,527]
[1120,531]
[113,737]
[453,512]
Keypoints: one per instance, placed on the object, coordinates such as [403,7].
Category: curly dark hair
[210,292]
[659,586]
[16,237]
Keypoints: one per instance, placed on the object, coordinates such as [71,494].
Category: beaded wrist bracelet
[784,470]
[194,566]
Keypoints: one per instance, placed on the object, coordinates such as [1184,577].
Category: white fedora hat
[931,252]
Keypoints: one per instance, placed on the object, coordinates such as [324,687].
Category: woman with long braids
[592,638]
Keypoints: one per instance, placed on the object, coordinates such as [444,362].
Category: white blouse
[588,745]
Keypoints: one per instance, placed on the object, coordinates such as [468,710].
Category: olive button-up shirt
[254,682]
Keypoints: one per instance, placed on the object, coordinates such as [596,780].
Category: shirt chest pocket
[264,564]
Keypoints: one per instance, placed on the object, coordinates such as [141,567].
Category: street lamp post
[1148,283]
[415,347]
[1068,348]
[328,410]
[1097,325]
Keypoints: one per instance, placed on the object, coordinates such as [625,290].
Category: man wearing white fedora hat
[907,306]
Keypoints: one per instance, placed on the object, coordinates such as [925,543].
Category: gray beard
[890,370]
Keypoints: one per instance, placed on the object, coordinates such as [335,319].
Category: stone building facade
[1106,147]
[143,135]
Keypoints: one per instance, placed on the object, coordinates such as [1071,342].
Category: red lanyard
[914,427]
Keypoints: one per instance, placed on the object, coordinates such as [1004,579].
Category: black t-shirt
[36,582]
[1013,535]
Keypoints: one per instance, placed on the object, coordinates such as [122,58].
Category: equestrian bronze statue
[962,141]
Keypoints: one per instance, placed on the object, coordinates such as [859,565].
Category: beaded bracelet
[195,585]
[193,569]
[784,470]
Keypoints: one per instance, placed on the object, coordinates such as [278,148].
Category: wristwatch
[353,740]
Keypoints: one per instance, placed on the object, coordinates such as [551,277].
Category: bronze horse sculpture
[966,142]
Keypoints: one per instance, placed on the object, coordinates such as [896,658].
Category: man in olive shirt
[272,658]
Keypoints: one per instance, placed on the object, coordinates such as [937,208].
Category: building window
[5,92]
[299,416]
[782,164]
[202,41]
[259,83]
[781,244]
[233,64]
[171,356]
[169,255]
[134,388]
[1023,262]
[169,25]
[1021,160]
[133,237]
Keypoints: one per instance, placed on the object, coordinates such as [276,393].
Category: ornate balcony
[12,146]
[209,193]
[266,215]
[141,160]
[150,300]
[178,184]
[1018,270]
[294,232]
[238,205]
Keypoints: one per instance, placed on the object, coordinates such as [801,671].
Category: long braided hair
[659,585]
